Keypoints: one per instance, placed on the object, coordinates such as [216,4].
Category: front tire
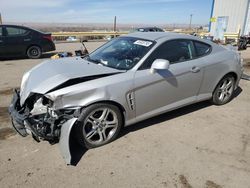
[99,124]
[34,52]
[223,92]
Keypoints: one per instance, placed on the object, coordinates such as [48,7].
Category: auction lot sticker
[143,43]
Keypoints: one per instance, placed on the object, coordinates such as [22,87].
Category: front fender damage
[44,123]
[64,142]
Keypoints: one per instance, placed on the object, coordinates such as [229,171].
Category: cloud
[19,4]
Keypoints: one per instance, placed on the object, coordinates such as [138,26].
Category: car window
[15,31]
[201,48]
[174,51]
[1,31]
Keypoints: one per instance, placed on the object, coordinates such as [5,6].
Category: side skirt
[169,108]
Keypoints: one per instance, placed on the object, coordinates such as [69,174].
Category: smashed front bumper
[19,121]
[23,124]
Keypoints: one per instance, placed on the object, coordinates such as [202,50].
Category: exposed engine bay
[39,118]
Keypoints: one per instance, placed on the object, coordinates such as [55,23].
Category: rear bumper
[48,47]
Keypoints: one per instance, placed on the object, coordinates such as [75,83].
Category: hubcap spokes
[100,125]
[225,90]
[34,52]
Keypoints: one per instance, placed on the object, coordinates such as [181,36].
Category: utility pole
[1,22]
[190,23]
[115,26]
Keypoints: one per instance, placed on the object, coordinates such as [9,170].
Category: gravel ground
[197,146]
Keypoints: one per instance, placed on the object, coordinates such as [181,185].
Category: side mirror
[159,64]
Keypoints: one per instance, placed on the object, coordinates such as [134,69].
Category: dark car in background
[150,29]
[23,41]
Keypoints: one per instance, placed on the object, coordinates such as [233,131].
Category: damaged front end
[50,100]
[38,118]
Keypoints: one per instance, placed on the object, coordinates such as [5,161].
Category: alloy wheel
[225,90]
[100,126]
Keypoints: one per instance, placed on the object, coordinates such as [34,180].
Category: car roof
[149,28]
[22,26]
[12,25]
[163,36]
[157,35]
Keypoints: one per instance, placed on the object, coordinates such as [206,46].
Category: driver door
[168,89]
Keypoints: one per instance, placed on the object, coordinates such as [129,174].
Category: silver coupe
[127,80]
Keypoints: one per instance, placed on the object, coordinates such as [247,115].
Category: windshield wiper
[85,56]
[93,60]
[97,61]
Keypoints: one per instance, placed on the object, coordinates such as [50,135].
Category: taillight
[49,37]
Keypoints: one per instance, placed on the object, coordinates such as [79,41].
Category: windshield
[122,53]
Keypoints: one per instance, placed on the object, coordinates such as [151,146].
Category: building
[230,16]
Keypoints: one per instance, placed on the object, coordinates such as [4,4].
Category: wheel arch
[30,45]
[120,107]
[233,74]
[227,74]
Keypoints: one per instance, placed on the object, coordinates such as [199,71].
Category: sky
[103,11]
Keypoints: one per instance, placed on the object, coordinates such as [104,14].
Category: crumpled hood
[49,74]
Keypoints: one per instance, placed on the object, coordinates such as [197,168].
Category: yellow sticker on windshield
[143,43]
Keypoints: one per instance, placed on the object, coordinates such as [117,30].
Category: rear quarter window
[202,49]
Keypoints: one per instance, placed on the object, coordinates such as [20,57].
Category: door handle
[26,40]
[1,41]
[195,69]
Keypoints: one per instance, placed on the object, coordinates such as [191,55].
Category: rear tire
[223,92]
[98,124]
[34,52]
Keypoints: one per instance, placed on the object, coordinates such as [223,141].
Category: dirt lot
[196,146]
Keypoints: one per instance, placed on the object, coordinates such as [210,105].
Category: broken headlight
[41,106]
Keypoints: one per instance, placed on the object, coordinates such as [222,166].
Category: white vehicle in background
[72,39]
[108,38]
